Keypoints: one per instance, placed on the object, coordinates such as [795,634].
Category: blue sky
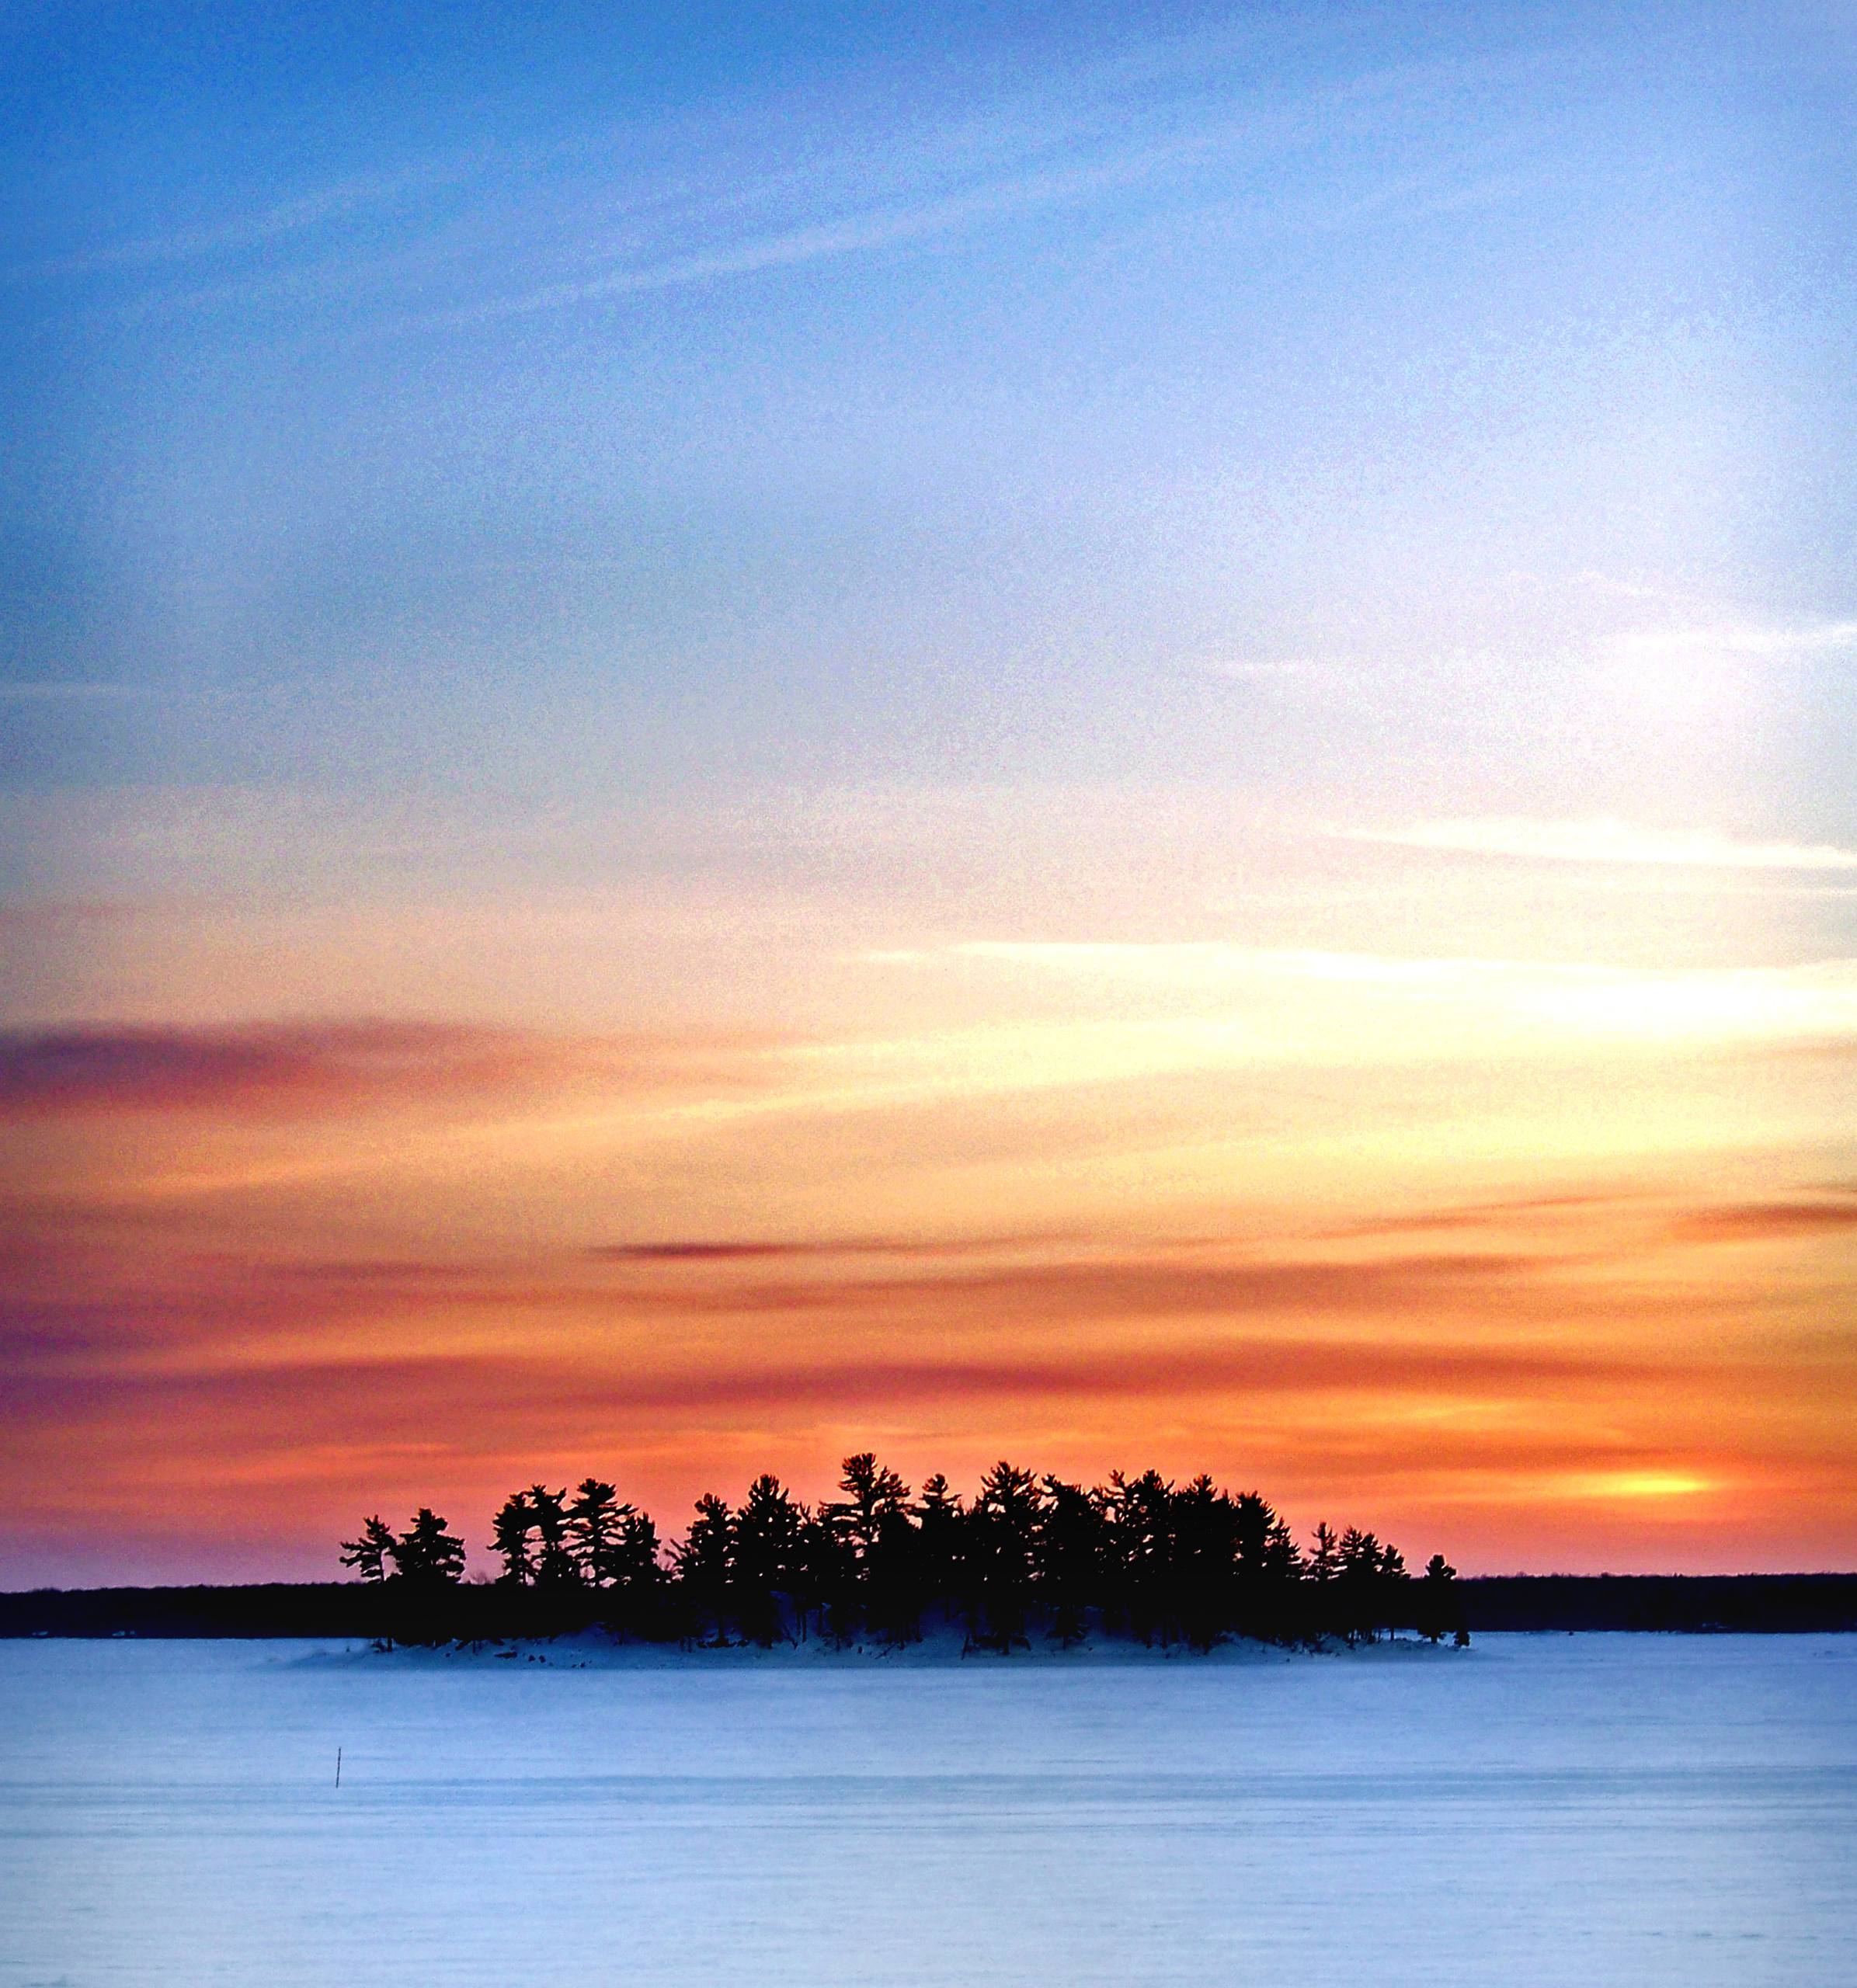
[1167,395]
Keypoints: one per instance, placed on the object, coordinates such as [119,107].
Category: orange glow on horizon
[1532,1266]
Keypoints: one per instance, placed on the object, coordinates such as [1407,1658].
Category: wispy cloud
[337,200]
[1605,840]
[1767,1222]
[277,1066]
[1194,120]
[880,228]
[296,1067]
[1210,1005]
[1744,639]
[705,1250]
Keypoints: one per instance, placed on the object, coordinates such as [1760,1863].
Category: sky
[1116,736]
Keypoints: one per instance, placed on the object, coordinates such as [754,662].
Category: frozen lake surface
[1610,1812]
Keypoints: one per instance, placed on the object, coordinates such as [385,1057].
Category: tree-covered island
[1028,1557]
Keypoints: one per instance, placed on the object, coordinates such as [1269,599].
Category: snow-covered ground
[1611,1811]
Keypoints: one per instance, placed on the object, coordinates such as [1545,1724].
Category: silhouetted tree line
[1027,1555]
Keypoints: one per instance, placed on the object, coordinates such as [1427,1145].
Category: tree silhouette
[702,1564]
[1356,1584]
[1140,1514]
[1203,1563]
[767,1538]
[369,1554]
[1393,1590]
[426,1555]
[872,1494]
[1072,1537]
[639,1575]
[595,1521]
[1002,1534]
[1435,1603]
[940,1527]
[511,1532]
[894,1598]
[863,1561]
[1267,1565]
[555,1568]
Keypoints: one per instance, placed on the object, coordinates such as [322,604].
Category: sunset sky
[1113,735]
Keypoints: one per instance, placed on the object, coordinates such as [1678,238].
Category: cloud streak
[481,235]
[1604,841]
[457,1387]
[1769,1221]
[291,1068]
[276,1066]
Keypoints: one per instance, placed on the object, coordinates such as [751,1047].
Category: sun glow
[1643,1484]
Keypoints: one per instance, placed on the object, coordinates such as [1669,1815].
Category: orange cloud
[289,1068]
[1757,1221]
[275,1067]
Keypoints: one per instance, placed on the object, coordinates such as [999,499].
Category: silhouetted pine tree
[1267,1563]
[1320,1615]
[594,1522]
[512,1532]
[1069,1546]
[702,1571]
[1394,1590]
[868,1544]
[640,1582]
[940,1529]
[1357,1586]
[555,1569]
[426,1555]
[429,1562]
[369,1555]
[1002,1533]
[767,1540]
[1202,1562]
[1435,1603]
[895,1596]
[1140,1514]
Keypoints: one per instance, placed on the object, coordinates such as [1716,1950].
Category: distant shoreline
[1693,1603]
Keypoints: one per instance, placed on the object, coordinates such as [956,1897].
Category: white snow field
[1611,1811]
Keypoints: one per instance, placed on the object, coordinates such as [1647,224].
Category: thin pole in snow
[338,1766]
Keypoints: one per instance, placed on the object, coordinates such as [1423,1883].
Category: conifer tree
[894,1596]
[940,1525]
[1069,1556]
[868,1521]
[1204,1562]
[765,1564]
[872,1494]
[555,1568]
[426,1555]
[511,1531]
[594,1520]
[702,1564]
[1002,1532]
[369,1554]
[1435,1602]
[1141,1515]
